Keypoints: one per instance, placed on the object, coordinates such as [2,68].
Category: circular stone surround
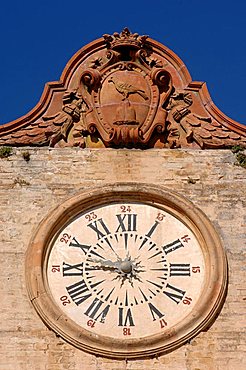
[60,319]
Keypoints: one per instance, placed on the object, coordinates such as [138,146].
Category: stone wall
[29,190]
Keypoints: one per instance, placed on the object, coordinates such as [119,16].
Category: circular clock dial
[126,270]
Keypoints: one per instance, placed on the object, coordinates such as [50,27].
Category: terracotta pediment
[125,90]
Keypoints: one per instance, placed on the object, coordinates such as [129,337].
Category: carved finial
[125,38]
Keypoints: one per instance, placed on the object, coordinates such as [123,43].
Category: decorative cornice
[125,90]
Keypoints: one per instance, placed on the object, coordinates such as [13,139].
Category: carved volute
[125,90]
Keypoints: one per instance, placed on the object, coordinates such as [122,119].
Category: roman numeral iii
[179,269]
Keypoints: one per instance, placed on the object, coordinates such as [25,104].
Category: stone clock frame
[201,316]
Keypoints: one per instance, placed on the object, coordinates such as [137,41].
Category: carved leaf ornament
[125,90]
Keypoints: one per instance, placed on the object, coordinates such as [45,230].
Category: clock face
[126,271]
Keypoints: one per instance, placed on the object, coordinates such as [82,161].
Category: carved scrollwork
[161,78]
[91,78]
[142,55]
[112,56]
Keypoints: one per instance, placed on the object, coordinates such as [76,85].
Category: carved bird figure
[126,89]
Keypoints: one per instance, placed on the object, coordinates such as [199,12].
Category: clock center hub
[126,267]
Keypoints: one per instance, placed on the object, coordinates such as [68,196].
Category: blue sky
[38,39]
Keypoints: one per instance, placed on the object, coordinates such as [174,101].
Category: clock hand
[106,263]
[123,266]
[127,269]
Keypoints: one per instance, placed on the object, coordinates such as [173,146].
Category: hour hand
[105,263]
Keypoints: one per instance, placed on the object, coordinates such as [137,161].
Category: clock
[127,270]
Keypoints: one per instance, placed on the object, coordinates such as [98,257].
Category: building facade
[125,125]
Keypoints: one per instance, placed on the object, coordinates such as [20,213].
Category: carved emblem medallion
[125,96]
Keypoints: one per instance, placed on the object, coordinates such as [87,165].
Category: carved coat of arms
[125,95]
